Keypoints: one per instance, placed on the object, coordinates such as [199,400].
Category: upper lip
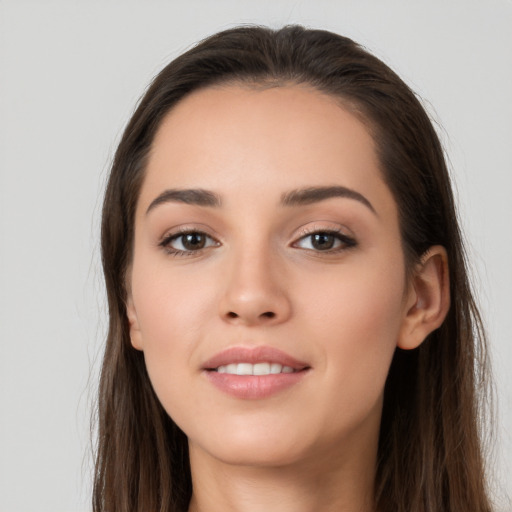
[253,355]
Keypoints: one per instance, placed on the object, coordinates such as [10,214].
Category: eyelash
[166,242]
[345,241]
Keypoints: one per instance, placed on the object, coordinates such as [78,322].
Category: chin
[252,454]
[264,444]
[270,440]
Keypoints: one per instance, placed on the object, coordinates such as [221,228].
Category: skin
[260,281]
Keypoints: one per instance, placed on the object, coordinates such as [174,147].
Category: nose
[255,291]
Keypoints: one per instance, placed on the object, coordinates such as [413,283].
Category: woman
[291,324]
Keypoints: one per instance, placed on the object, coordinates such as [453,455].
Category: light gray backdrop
[70,74]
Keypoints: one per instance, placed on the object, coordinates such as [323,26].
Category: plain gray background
[70,75]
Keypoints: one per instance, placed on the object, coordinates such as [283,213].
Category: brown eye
[324,241]
[192,241]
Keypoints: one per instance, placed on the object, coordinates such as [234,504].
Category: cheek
[358,316]
[364,296]
[173,307]
[171,304]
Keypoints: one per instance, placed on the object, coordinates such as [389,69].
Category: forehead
[250,141]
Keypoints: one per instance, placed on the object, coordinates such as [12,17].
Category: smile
[254,373]
[254,369]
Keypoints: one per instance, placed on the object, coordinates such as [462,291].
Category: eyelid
[348,240]
[183,229]
[175,233]
[322,227]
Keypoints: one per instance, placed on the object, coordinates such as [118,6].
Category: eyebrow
[194,196]
[298,197]
[312,195]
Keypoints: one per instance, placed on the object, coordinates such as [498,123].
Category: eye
[187,242]
[325,241]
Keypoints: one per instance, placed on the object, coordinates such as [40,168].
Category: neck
[331,482]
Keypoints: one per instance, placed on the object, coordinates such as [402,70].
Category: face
[267,287]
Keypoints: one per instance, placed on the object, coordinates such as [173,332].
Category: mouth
[254,372]
[265,368]
[258,360]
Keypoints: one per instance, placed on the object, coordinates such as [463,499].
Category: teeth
[244,369]
[261,369]
[275,368]
[254,369]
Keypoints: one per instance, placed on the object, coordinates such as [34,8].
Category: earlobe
[428,299]
[135,334]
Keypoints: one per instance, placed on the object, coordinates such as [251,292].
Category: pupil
[193,241]
[323,241]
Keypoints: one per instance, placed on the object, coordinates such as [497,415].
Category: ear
[135,334]
[428,299]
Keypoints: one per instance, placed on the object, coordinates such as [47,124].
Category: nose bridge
[255,291]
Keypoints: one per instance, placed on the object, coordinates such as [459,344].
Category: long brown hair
[430,453]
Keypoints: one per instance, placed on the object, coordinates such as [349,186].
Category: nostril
[266,315]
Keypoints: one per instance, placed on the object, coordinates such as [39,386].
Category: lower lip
[254,387]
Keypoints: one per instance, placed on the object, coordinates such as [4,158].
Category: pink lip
[253,355]
[253,387]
